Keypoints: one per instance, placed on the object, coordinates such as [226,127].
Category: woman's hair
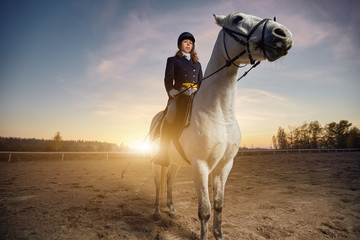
[193,54]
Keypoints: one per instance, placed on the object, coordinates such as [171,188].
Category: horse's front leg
[220,175]
[201,177]
[173,170]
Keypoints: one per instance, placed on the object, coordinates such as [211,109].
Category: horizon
[83,68]
[321,141]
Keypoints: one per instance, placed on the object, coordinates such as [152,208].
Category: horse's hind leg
[157,180]
[172,172]
[220,175]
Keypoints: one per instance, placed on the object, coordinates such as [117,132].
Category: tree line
[56,144]
[312,135]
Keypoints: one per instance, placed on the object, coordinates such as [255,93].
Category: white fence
[63,154]
[241,152]
[288,151]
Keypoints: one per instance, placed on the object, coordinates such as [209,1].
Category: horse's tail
[155,124]
[163,181]
[159,171]
[154,133]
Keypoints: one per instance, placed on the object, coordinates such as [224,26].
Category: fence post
[62,157]
[107,156]
[9,157]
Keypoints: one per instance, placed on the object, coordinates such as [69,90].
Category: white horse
[212,139]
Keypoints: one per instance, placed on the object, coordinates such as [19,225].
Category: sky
[94,70]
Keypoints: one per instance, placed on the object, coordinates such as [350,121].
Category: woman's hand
[173,92]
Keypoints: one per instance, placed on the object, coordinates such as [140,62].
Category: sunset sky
[94,70]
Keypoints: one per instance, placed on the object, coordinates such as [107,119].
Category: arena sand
[295,196]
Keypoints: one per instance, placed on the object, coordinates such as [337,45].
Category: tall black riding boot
[162,158]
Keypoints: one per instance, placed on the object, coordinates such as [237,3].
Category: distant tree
[104,147]
[304,136]
[281,138]
[88,148]
[342,132]
[315,131]
[274,142]
[295,136]
[330,135]
[101,148]
[353,139]
[313,135]
[109,147]
[290,137]
[123,148]
[57,142]
[336,134]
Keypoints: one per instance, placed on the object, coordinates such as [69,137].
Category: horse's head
[253,38]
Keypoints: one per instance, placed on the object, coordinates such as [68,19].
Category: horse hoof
[156,216]
[173,214]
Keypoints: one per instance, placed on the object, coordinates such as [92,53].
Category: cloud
[106,13]
[259,110]
[105,66]
[130,48]
[306,32]
[258,96]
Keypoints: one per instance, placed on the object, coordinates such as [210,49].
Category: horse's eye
[237,19]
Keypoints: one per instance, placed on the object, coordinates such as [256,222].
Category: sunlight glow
[144,147]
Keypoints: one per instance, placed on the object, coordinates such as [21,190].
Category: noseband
[235,35]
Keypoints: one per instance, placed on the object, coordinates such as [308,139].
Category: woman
[184,68]
[183,75]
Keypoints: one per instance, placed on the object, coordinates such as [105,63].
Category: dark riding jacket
[179,70]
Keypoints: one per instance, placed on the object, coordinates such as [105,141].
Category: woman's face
[186,45]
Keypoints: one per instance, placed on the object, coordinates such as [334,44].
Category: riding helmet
[185,35]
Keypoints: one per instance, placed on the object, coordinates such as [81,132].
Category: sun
[144,147]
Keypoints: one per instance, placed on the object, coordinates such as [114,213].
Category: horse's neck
[217,94]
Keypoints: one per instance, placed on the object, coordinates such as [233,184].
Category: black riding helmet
[185,35]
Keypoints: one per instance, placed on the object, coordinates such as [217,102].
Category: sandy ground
[295,196]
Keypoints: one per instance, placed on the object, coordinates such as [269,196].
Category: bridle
[235,34]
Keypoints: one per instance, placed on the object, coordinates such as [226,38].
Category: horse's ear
[220,20]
